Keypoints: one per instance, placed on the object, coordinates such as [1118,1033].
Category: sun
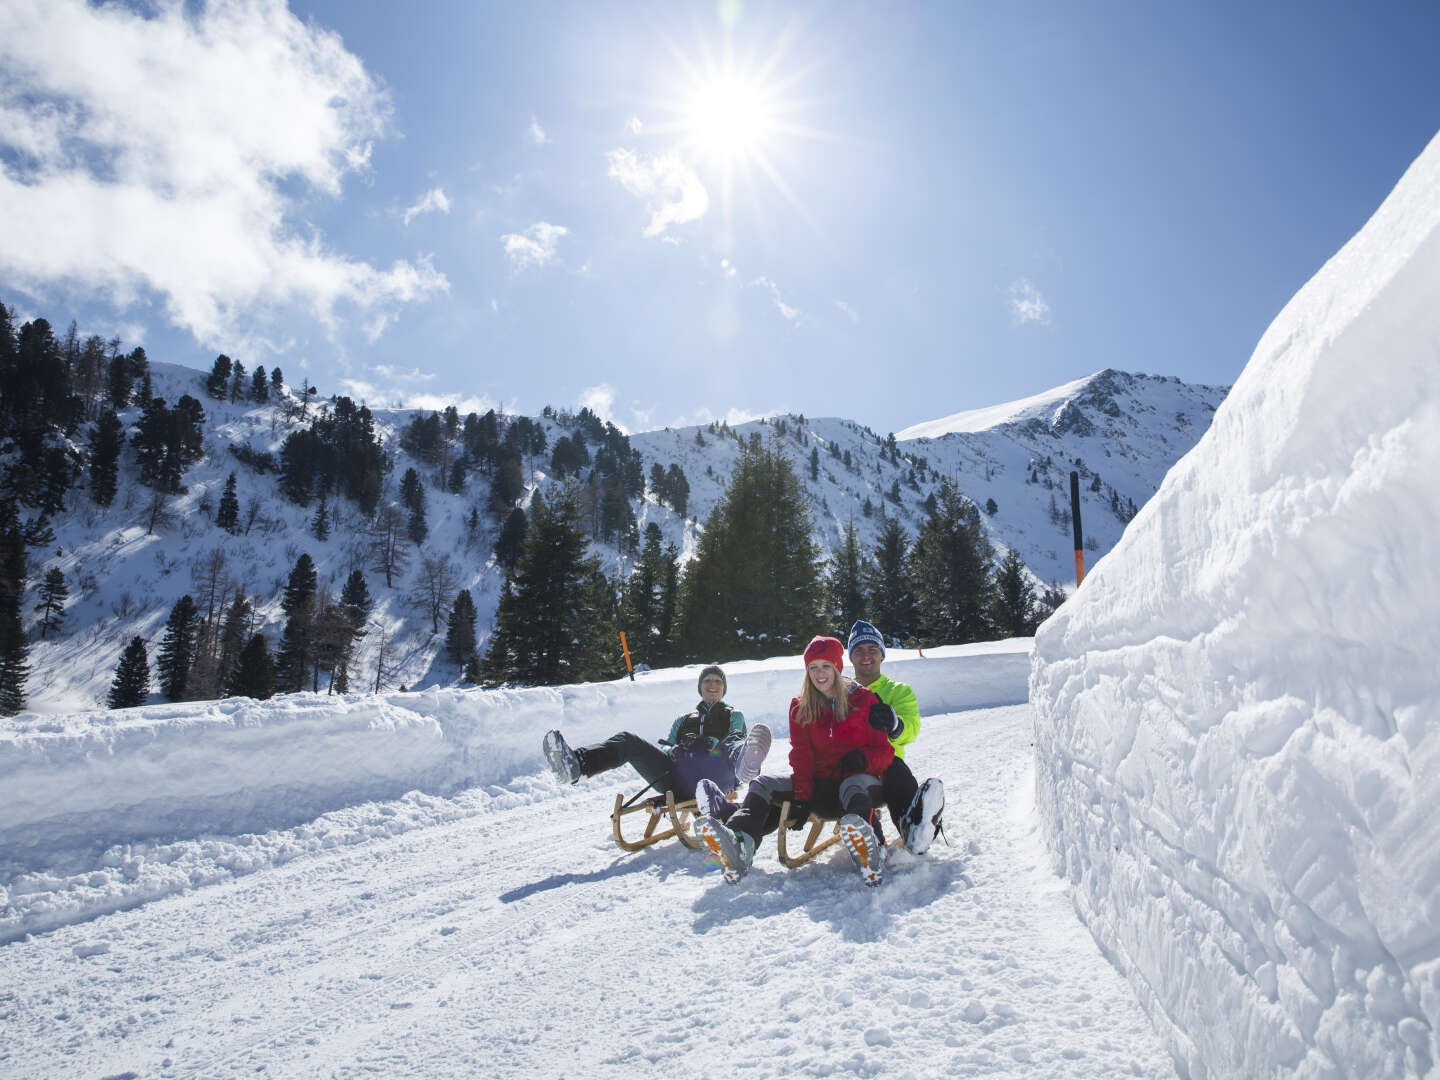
[729,119]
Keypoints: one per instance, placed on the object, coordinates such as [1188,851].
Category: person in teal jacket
[710,741]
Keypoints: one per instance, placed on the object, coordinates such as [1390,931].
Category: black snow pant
[759,813]
[899,786]
[653,764]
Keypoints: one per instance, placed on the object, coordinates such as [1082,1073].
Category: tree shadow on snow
[830,892]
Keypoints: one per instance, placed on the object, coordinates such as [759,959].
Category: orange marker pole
[625,648]
[1075,523]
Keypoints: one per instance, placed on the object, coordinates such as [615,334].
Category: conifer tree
[643,602]
[320,523]
[177,648]
[254,674]
[14,649]
[387,542]
[259,388]
[355,606]
[217,383]
[460,633]
[950,571]
[889,596]
[552,625]
[1013,610]
[234,633]
[844,582]
[511,540]
[237,382]
[297,641]
[105,442]
[227,515]
[52,601]
[753,588]
[132,677]
[120,382]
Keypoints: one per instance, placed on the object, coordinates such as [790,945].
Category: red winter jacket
[816,748]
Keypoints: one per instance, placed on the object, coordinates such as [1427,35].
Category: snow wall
[239,765]
[1238,714]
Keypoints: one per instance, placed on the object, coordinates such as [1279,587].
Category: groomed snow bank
[238,765]
[1238,715]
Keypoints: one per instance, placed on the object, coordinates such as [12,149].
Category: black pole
[1075,524]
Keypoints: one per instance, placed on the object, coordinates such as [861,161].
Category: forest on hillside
[79,415]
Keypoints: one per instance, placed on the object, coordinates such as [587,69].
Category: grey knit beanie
[711,669]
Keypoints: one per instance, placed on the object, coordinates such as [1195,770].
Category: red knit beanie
[826,648]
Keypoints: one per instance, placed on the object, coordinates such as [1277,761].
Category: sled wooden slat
[812,848]
[678,817]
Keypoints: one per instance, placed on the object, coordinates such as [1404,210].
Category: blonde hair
[813,703]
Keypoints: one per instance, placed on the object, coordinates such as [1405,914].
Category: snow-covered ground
[498,931]
[1236,715]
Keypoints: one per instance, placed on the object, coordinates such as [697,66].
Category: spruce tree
[460,632]
[753,588]
[52,601]
[132,677]
[177,648]
[950,572]
[227,515]
[511,540]
[297,641]
[320,524]
[254,674]
[259,388]
[355,606]
[552,625]
[217,383]
[1013,610]
[890,600]
[14,649]
[105,442]
[844,582]
[642,599]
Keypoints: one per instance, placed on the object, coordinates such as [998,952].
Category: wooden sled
[812,848]
[677,816]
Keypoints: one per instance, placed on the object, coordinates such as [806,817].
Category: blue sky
[930,207]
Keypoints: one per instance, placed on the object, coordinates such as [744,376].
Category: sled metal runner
[676,817]
[813,844]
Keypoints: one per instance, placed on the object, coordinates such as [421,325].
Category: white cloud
[433,201]
[400,388]
[791,313]
[848,310]
[534,247]
[162,153]
[537,133]
[672,192]
[601,401]
[1026,303]
[634,126]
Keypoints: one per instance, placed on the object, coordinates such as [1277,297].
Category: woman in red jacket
[838,750]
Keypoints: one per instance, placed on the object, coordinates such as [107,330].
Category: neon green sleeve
[902,699]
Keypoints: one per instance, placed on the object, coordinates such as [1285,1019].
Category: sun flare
[729,119]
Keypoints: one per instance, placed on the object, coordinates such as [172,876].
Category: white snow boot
[710,801]
[733,851]
[922,819]
[563,761]
[757,745]
[864,847]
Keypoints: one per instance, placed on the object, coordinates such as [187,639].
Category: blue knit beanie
[862,633]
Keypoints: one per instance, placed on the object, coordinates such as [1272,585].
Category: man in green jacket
[915,807]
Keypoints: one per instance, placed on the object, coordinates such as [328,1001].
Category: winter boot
[864,847]
[563,761]
[752,755]
[921,821]
[733,851]
[710,801]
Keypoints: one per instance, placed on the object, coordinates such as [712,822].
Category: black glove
[883,718]
[689,739]
[799,813]
[853,762]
